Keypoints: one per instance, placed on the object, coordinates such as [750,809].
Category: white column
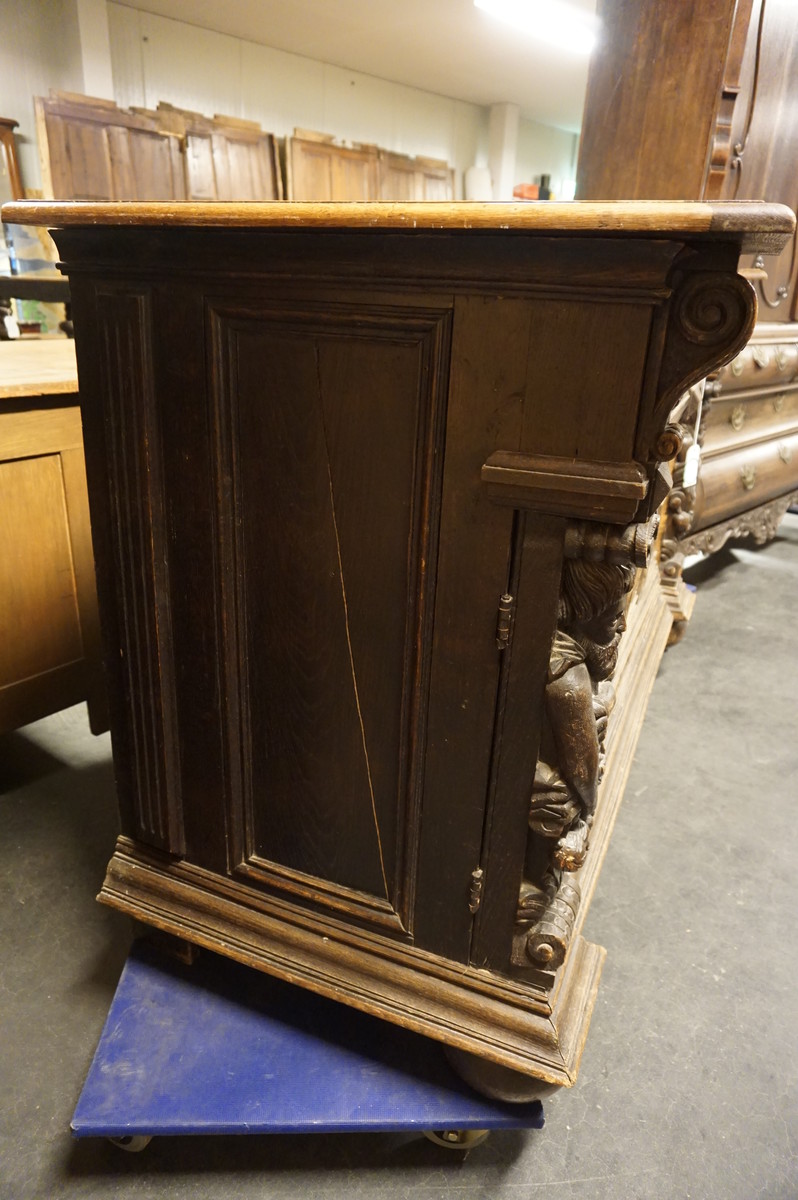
[503,142]
[95,48]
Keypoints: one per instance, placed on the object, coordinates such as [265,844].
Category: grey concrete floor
[689,1079]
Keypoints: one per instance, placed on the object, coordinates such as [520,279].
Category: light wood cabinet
[49,638]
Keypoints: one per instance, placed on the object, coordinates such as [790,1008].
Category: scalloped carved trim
[760,523]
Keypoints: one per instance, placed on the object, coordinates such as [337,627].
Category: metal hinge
[505,620]
[475,891]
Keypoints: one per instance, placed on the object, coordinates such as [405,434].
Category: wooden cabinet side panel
[126,485]
[595,412]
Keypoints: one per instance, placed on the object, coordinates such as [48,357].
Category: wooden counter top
[42,367]
[755,226]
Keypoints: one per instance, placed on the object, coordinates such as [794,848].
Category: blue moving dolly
[218,1048]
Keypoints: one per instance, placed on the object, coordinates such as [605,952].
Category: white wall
[543,150]
[155,58]
[39,50]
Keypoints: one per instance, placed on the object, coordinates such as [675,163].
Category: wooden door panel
[327,533]
[310,175]
[320,170]
[199,167]
[156,166]
[354,177]
[80,161]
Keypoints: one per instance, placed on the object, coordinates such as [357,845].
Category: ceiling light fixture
[551,21]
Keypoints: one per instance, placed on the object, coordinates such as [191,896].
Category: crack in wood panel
[348,631]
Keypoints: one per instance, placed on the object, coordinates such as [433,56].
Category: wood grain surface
[44,367]
[760,226]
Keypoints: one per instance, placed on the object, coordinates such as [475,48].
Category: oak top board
[40,367]
[755,225]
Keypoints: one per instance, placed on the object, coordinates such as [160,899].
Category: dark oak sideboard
[369,488]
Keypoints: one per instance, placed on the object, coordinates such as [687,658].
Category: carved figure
[578,701]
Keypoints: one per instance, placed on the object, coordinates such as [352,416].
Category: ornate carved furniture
[49,649]
[369,488]
[712,116]
[747,427]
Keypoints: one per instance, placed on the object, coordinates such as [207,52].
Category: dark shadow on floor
[22,761]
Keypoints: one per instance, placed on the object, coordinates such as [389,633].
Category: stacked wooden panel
[92,150]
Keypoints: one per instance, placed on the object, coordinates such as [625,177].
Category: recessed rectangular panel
[332,445]
[586,364]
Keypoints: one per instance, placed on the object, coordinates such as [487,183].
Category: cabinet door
[330,426]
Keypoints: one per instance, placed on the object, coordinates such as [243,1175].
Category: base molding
[528,1030]
[761,524]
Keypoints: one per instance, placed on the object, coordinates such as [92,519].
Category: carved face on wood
[606,627]
[592,610]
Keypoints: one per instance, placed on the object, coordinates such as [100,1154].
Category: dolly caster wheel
[457,1139]
[133,1143]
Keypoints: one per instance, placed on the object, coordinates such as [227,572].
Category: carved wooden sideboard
[369,487]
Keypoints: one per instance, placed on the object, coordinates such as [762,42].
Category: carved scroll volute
[712,315]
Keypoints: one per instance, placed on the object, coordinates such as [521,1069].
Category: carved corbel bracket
[711,317]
